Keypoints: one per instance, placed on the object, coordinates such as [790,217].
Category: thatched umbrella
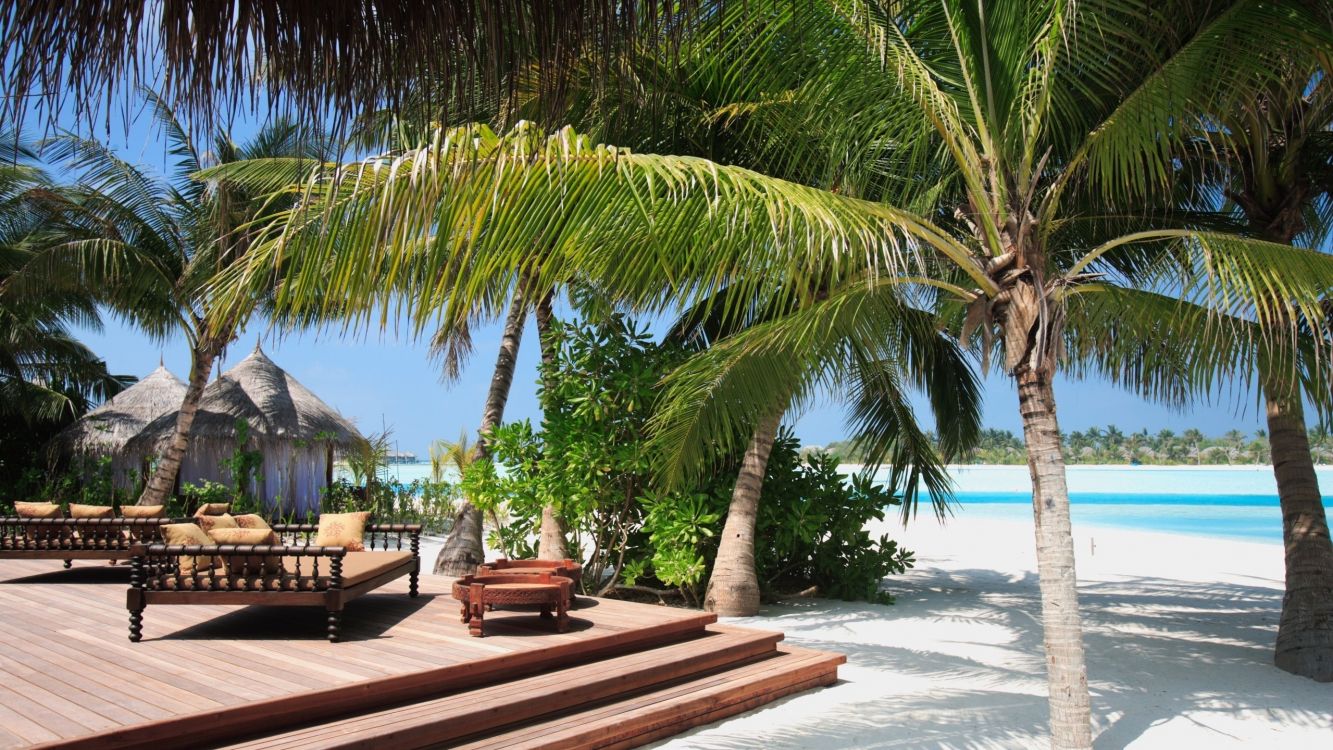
[296,432]
[104,431]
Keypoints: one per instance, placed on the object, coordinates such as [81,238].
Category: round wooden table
[563,568]
[478,593]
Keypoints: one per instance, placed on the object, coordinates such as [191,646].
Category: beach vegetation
[591,461]
[1098,445]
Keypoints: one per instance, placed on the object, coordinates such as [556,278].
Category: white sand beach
[1179,632]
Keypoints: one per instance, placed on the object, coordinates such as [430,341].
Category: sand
[1179,633]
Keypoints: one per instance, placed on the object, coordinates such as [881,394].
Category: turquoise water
[1228,502]
[1233,502]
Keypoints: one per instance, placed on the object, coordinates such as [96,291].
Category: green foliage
[206,491]
[429,503]
[811,528]
[242,465]
[590,462]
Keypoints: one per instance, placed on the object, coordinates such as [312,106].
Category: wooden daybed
[293,573]
[70,539]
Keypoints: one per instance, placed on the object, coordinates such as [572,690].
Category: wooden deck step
[672,709]
[502,707]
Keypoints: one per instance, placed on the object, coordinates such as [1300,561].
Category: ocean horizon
[1230,502]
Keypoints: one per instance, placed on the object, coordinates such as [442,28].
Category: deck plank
[71,670]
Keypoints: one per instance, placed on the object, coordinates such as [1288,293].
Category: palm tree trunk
[733,589]
[551,540]
[463,550]
[163,482]
[1305,631]
[1067,673]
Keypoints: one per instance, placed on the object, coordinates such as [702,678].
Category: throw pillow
[208,523]
[248,564]
[188,533]
[343,530]
[37,510]
[251,521]
[91,511]
[143,511]
[212,509]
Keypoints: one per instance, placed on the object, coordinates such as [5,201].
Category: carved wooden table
[564,568]
[480,592]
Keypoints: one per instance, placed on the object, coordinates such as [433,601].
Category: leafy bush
[589,461]
[431,504]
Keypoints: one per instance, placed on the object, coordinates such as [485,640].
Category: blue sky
[383,379]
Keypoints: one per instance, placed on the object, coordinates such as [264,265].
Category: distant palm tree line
[1111,445]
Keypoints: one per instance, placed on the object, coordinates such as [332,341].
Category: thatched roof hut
[297,434]
[104,431]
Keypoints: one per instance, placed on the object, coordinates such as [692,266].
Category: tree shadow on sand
[1158,650]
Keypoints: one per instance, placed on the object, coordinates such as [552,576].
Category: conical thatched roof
[276,406]
[110,426]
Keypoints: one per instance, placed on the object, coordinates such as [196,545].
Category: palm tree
[868,372]
[147,246]
[1274,169]
[46,375]
[1025,238]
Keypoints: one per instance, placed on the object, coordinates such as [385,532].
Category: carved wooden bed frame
[70,539]
[309,576]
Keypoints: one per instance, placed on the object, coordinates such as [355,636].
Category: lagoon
[1229,502]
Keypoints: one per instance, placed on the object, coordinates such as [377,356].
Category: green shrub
[589,461]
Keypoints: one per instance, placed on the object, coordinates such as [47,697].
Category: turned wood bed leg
[413,581]
[335,625]
[69,564]
[134,600]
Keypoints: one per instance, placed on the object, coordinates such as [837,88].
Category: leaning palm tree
[1042,126]
[1273,167]
[146,246]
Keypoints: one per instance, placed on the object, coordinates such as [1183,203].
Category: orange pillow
[188,533]
[91,511]
[208,523]
[343,530]
[213,509]
[37,510]
[251,521]
[248,564]
[40,510]
[143,511]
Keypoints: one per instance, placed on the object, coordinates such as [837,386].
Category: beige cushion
[91,511]
[188,533]
[41,510]
[251,521]
[343,530]
[213,509]
[358,567]
[143,511]
[209,523]
[37,510]
[248,564]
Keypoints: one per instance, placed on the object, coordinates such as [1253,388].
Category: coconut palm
[46,375]
[147,245]
[1272,166]
[1035,144]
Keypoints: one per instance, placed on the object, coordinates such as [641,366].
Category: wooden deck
[406,675]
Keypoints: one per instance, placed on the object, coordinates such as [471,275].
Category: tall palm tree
[1035,142]
[1273,168]
[148,245]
